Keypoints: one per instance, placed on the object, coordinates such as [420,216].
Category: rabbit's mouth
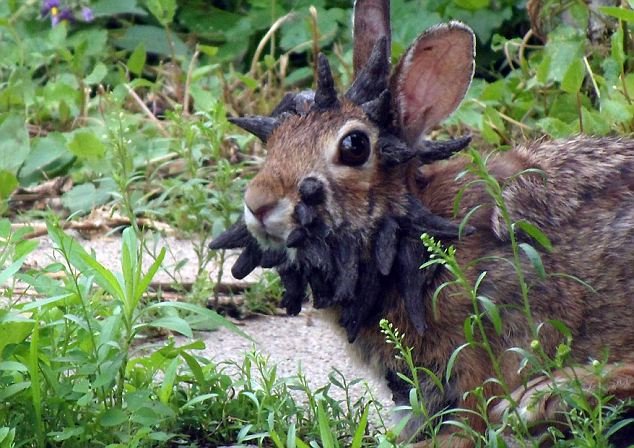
[270,227]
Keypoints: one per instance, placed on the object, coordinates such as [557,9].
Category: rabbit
[350,183]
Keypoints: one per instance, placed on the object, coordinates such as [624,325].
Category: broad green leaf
[13,366]
[115,7]
[86,145]
[136,61]
[616,111]
[97,75]
[48,157]
[564,47]
[13,389]
[8,183]
[14,328]
[162,10]
[573,77]
[7,437]
[113,417]
[208,50]
[472,4]
[557,128]
[83,198]
[14,143]
[173,323]
[620,13]
[209,314]
[535,259]
[153,38]
[617,50]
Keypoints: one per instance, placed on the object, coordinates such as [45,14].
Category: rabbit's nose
[259,203]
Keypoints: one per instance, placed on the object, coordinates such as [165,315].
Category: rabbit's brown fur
[348,186]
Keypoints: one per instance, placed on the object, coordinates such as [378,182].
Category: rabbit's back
[580,194]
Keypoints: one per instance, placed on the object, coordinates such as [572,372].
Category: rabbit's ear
[432,78]
[371,22]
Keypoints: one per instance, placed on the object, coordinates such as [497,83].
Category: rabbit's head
[332,206]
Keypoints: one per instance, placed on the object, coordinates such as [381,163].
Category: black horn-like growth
[325,95]
[373,79]
[260,126]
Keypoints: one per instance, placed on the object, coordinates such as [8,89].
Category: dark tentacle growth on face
[338,268]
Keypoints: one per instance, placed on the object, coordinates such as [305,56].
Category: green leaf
[620,13]
[48,157]
[574,76]
[557,128]
[208,50]
[535,259]
[136,61]
[452,361]
[116,7]
[14,143]
[113,417]
[8,183]
[84,197]
[13,366]
[211,315]
[167,384]
[13,389]
[97,75]
[162,10]
[7,437]
[357,441]
[492,312]
[86,145]
[325,432]
[173,323]
[153,38]
[14,328]
[565,46]
[535,233]
[103,277]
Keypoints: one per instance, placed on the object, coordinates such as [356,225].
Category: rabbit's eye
[354,148]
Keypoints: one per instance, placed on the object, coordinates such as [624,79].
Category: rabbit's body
[349,185]
[584,202]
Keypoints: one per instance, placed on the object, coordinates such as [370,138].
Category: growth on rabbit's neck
[330,208]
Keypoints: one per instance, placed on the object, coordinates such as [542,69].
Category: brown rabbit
[349,185]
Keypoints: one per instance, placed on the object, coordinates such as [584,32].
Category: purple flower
[48,5]
[61,15]
[87,14]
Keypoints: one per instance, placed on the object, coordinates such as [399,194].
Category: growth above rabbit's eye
[354,148]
